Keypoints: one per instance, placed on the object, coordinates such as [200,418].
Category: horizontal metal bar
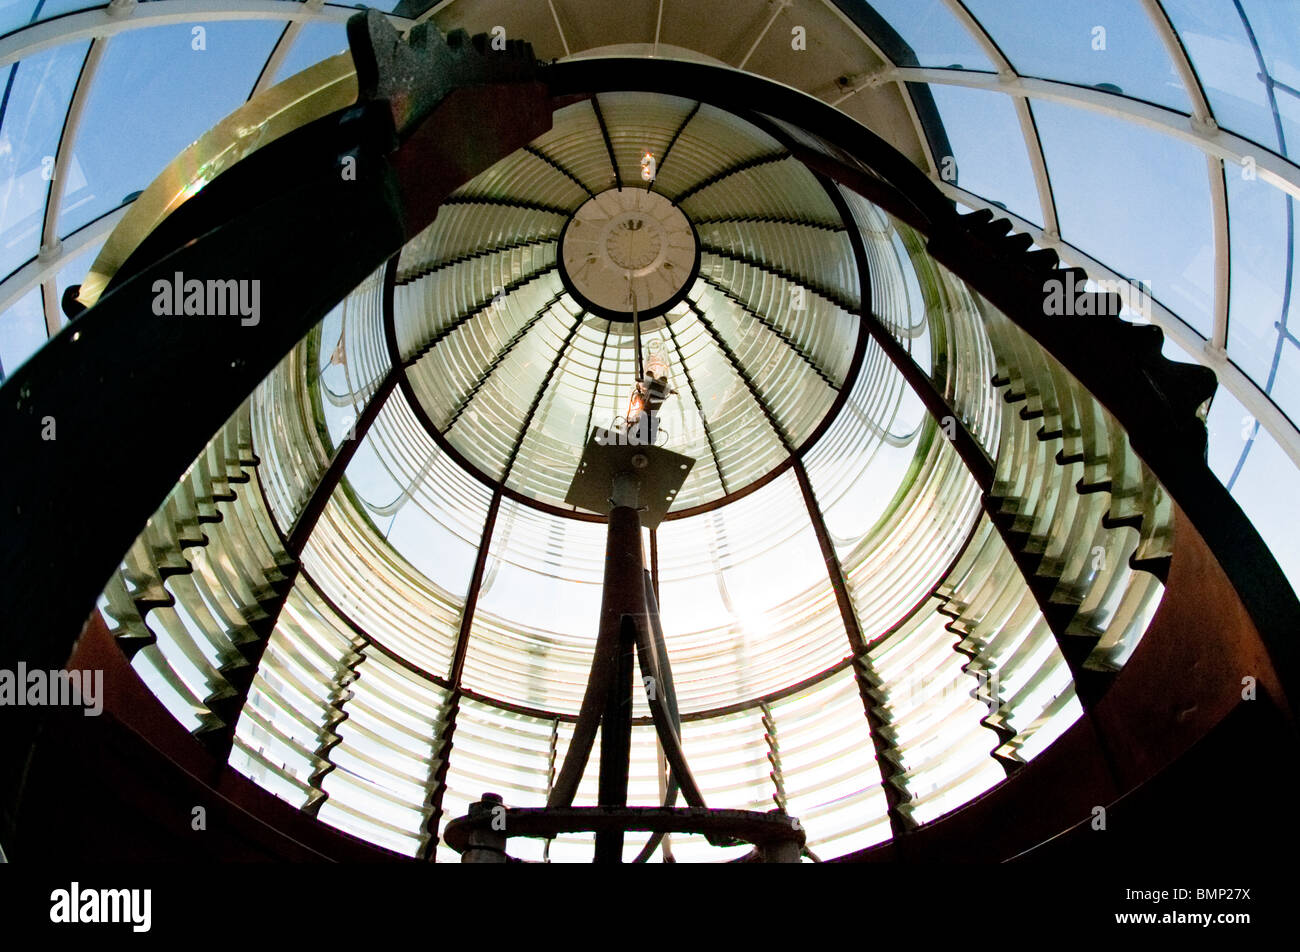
[746,825]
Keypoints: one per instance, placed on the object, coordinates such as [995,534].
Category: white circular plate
[627,242]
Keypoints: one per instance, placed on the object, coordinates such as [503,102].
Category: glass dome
[501,303]
[852,638]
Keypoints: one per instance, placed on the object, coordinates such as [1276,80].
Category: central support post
[633,485]
[622,603]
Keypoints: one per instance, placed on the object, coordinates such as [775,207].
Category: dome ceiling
[518,295]
[515,345]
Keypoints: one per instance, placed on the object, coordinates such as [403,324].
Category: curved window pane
[1266,491]
[933,33]
[1230,430]
[16,14]
[156,91]
[37,92]
[22,331]
[989,148]
[1275,27]
[1225,43]
[1145,212]
[1086,42]
[1286,383]
[1264,271]
[1258,473]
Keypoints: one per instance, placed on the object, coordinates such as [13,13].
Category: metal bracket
[660,474]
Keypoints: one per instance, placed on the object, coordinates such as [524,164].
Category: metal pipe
[636,329]
[663,678]
[624,595]
[626,492]
[623,603]
[616,741]
[664,669]
[584,732]
[662,717]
